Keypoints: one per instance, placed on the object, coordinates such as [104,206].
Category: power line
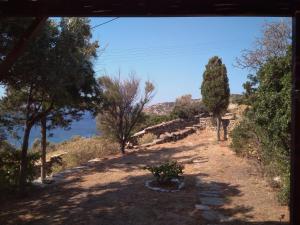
[105,22]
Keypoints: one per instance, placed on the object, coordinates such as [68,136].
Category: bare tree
[276,38]
[122,107]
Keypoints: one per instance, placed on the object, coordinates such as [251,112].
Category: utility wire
[105,22]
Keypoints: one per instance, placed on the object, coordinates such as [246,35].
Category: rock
[180,186]
[197,161]
[277,179]
[94,160]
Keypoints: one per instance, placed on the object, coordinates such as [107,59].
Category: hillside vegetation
[265,130]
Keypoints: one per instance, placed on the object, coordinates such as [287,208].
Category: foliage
[147,138]
[245,141]
[215,89]
[10,159]
[265,129]
[186,108]
[36,146]
[122,108]
[166,172]
[236,98]
[266,125]
[52,82]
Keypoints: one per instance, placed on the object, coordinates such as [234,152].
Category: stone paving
[210,198]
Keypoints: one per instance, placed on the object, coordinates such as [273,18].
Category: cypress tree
[215,89]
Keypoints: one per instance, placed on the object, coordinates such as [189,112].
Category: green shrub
[284,193]
[249,140]
[147,138]
[166,172]
[244,140]
[10,159]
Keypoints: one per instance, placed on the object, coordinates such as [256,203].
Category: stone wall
[179,128]
[165,127]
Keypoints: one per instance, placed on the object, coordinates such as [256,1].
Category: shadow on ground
[122,202]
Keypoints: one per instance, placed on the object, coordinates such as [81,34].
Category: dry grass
[79,150]
[147,138]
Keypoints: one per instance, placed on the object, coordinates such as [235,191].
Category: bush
[147,138]
[249,140]
[186,108]
[244,140]
[166,172]
[10,159]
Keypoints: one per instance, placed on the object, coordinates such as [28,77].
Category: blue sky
[173,52]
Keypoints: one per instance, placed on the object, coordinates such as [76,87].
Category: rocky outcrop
[163,108]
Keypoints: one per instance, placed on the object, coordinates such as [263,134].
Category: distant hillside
[165,108]
[235,98]
[160,108]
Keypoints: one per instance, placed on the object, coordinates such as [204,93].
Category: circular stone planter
[178,182]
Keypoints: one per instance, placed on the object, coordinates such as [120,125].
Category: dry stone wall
[178,129]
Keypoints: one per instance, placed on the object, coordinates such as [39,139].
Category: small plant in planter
[168,175]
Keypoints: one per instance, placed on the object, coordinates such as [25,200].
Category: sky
[173,52]
[170,52]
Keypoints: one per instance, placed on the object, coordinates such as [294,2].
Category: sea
[86,127]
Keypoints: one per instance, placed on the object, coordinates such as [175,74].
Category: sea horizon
[86,127]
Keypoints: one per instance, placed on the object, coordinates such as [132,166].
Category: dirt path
[112,191]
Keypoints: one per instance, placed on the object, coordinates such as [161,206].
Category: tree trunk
[43,148]
[218,127]
[122,147]
[225,125]
[23,165]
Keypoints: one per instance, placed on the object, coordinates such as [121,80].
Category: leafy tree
[11,30]
[122,108]
[215,89]
[73,68]
[268,94]
[52,82]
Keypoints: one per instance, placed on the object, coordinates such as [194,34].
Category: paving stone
[202,207]
[212,215]
[212,201]
[210,194]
